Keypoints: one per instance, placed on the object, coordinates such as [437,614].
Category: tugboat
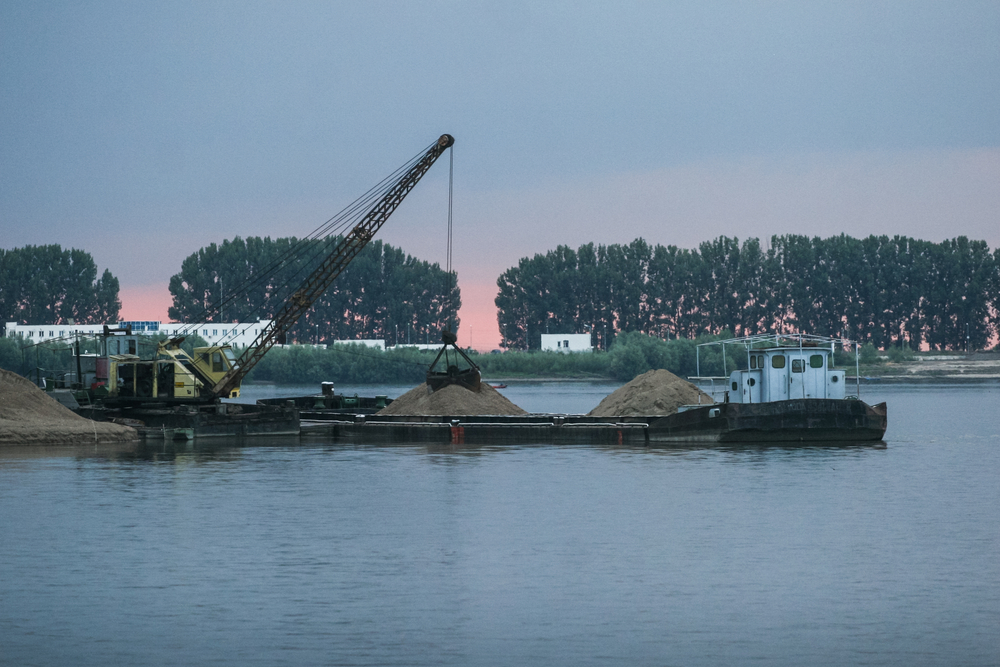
[789,392]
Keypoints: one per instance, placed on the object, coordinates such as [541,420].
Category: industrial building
[236,334]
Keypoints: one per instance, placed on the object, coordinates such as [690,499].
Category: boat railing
[712,389]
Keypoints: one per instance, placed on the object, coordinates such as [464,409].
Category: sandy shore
[940,368]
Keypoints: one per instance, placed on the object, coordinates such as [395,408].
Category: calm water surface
[319,553]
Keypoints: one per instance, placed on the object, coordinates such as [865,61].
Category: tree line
[887,291]
[384,292]
[46,284]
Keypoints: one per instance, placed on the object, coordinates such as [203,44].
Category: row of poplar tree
[888,291]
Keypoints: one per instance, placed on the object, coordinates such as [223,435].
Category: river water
[321,553]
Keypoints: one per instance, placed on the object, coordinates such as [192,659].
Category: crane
[313,287]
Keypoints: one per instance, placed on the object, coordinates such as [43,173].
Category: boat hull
[796,420]
[215,421]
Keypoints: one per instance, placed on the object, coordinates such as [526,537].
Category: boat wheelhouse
[781,367]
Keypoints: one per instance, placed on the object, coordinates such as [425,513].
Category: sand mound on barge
[451,400]
[30,417]
[657,392]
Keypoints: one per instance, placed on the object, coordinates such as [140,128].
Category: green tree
[51,285]
[676,292]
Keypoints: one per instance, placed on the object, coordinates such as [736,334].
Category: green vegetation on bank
[630,355]
[54,357]
[46,360]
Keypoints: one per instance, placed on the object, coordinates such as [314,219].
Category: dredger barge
[789,393]
[178,393]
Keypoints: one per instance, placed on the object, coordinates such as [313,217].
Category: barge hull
[218,421]
[798,421]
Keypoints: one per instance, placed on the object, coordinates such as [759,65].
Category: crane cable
[306,248]
[451,183]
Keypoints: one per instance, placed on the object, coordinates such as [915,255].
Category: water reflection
[234,449]
[12,455]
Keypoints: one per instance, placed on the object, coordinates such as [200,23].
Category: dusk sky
[141,132]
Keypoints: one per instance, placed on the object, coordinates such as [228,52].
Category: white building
[567,342]
[216,333]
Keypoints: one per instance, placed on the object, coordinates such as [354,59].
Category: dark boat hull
[222,420]
[796,420]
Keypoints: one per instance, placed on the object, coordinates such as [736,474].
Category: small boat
[499,386]
[330,405]
[788,392]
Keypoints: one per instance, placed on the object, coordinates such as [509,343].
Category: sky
[141,132]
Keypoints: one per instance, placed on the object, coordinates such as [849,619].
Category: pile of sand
[653,393]
[451,400]
[30,417]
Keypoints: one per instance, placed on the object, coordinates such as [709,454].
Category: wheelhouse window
[778,361]
[816,361]
[798,365]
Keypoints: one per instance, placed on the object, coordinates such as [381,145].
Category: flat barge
[788,393]
[796,421]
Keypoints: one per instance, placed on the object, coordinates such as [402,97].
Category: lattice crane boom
[332,266]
